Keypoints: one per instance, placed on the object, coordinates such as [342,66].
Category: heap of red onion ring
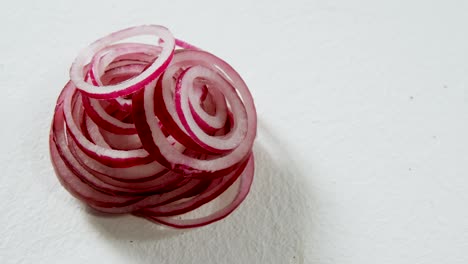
[163,130]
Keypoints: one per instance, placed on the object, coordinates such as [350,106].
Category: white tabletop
[362,152]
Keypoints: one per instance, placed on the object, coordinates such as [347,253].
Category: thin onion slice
[241,190]
[77,74]
[154,140]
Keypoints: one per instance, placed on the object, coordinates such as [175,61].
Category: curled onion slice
[77,74]
[154,140]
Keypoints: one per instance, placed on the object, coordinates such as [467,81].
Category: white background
[362,151]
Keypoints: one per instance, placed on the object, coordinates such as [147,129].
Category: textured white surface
[362,151]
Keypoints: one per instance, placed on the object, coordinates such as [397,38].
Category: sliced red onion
[77,74]
[216,188]
[209,110]
[183,88]
[151,134]
[82,190]
[108,156]
[112,58]
[228,206]
[162,131]
[105,120]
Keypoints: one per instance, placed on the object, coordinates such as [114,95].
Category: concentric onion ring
[163,130]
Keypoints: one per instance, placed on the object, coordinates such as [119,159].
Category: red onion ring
[77,74]
[154,140]
[162,131]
